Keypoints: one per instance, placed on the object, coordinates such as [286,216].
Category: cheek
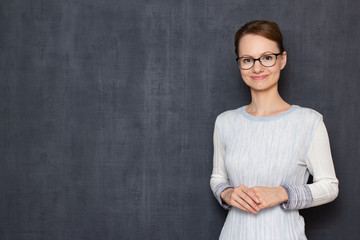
[243,74]
[276,69]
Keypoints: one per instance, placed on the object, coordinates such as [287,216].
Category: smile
[259,77]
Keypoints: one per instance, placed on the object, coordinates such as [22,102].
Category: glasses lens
[245,62]
[268,60]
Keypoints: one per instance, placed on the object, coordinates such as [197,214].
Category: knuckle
[243,187]
[251,192]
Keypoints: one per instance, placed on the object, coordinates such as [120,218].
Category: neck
[266,103]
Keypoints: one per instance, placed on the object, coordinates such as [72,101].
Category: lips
[258,77]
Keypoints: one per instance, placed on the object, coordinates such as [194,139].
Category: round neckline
[269,118]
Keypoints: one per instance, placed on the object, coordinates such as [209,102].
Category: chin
[263,87]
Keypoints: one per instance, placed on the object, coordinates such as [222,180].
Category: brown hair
[264,28]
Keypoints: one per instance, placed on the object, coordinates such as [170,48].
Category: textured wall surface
[107,110]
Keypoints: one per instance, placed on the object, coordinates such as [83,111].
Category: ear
[283,60]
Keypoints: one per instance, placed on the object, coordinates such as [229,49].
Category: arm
[226,194]
[219,179]
[324,188]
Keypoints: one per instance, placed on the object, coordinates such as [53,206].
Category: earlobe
[283,60]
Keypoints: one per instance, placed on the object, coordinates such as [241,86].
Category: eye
[246,60]
[267,57]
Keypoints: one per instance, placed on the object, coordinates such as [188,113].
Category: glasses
[267,60]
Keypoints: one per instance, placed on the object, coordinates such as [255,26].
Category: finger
[241,191]
[244,196]
[243,187]
[253,196]
[250,208]
[234,201]
[237,205]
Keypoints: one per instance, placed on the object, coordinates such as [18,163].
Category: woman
[265,151]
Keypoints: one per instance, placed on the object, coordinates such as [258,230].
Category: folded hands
[254,199]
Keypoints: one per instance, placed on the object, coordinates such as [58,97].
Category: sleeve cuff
[299,196]
[217,192]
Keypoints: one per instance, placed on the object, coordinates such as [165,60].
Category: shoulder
[307,113]
[227,120]
[228,115]
[307,117]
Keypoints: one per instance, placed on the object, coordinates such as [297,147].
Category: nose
[258,67]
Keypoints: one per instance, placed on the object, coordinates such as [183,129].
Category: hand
[240,198]
[268,196]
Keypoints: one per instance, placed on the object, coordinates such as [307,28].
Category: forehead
[255,45]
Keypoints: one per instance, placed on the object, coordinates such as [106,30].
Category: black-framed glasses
[267,60]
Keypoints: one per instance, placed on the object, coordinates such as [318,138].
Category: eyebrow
[264,53]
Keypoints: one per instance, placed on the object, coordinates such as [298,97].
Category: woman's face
[258,77]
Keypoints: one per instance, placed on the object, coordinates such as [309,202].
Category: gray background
[107,111]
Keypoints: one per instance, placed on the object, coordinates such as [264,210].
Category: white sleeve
[324,188]
[219,179]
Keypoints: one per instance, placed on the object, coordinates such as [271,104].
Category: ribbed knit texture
[270,151]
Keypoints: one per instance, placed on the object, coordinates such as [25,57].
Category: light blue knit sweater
[280,150]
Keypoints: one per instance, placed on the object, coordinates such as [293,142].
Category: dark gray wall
[107,111]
